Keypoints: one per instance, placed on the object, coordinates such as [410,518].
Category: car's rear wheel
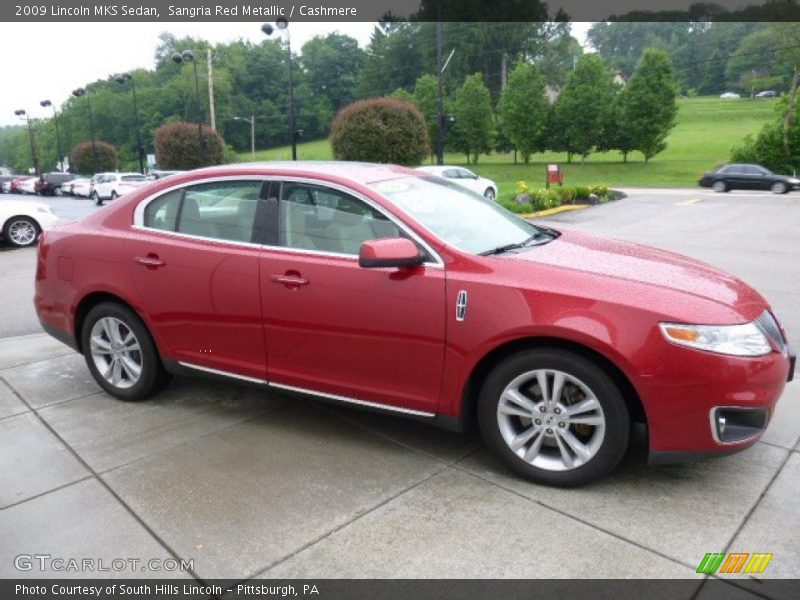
[96,197]
[720,186]
[120,353]
[114,195]
[554,417]
[489,194]
[21,231]
[779,188]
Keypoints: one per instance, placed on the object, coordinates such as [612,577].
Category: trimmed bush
[599,190]
[567,194]
[381,130]
[178,146]
[582,191]
[84,160]
[519,208]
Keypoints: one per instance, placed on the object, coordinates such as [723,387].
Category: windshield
[459,217]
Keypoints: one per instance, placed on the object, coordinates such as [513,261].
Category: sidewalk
[249,483]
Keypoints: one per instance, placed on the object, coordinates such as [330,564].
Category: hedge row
[528,200]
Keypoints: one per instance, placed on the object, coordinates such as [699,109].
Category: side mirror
[389,252]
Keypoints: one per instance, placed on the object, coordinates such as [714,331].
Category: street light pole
[24,116]
[283,25]
[188,55]
[82,92]
[46,103]
[121,79]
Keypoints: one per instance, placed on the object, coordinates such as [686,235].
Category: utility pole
[253,136]
[212,113]
[440,87]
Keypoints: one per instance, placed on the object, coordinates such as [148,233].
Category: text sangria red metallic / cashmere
[395,290]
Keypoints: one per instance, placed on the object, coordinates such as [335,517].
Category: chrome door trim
[349,400]
[224,373]
[300,390]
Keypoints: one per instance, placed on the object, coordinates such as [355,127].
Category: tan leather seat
[295,227]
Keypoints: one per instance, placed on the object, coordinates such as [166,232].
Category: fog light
[738,424]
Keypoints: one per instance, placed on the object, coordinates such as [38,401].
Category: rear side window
[162,213]
[223,211]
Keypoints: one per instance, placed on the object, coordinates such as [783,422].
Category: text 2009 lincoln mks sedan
[399,291]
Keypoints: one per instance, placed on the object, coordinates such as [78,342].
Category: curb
[555,211]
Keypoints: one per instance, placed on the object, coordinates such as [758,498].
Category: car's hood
[651,267]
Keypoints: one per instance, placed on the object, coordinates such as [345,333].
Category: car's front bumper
[692,389]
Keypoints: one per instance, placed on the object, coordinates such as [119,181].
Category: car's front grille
[767,323]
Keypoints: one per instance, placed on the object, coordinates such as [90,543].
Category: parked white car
[21,221]
[465,178]
[81,187]
[730,96]
[29,185]
[109,186]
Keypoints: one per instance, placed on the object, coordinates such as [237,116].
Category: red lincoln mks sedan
[396,290]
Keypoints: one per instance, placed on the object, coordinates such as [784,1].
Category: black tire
[96,197]
[614,440]
[153,376]
[15,226]
[719,186]
[114,195]
[489,194]
[779,188]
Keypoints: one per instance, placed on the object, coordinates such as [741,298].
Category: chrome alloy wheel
[22,232]
[551,420]
[116,352]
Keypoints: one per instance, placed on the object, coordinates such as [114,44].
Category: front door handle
[151,261]
[289,280]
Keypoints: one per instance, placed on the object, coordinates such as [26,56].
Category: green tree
[651,103]
[425,97]
[474,126]
[403,95]
[583,107]
[523,109]
[332,65]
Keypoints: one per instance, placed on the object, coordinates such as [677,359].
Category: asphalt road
[752,235]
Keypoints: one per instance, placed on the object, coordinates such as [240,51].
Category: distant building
[620,78]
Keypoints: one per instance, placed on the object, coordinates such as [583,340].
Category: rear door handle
[290,280]
[150,261]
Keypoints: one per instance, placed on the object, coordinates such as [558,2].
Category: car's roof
[364,173]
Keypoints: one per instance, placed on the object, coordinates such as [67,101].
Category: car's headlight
[736,340]
[793,180]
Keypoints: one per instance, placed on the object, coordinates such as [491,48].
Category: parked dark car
[767,94]
[50,183]
[748,177]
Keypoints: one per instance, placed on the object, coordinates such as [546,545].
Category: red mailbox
[554,174]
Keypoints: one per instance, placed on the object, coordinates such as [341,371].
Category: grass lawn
[706,130]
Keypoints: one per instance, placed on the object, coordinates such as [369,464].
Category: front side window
[318,218]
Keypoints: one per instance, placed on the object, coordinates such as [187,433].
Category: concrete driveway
[247,483]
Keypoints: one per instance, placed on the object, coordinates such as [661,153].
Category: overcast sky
[46,61]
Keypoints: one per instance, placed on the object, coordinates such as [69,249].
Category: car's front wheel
[779,188]
[554,417]
[720,186]
[120,353]
[489,194]
[21,231]
[96,197]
